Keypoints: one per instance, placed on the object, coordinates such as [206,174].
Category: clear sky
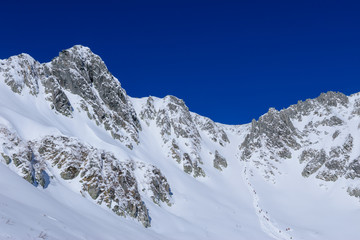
[228,60]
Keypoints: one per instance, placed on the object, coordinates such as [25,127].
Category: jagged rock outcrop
[181,131]
[354,191]
[177,129]
[318,130]
[83,73]
[212,130]
[21,71]
[354,169]
[314,158]
[77,72]
[319,106]
[19,153]
[154,184]
[105,178]
[219,161]
[333,164]
[272,138]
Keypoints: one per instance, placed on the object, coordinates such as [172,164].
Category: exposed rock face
[21,71]
[19,153]
[154,184]
[214,131]
[61,102]
[276,129]
[272,138]
[180,131]
[83,73]
[219,161]
[177,129]
[79,72]
[332,99]
[314,158]
[354,192]
[318,130]
[107,180]
[354,169]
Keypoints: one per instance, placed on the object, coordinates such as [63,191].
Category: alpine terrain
[80,159]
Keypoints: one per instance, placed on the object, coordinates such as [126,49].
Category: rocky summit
[80,143]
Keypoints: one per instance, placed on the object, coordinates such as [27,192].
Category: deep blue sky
[229,60]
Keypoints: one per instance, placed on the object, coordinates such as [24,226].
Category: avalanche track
[268,224]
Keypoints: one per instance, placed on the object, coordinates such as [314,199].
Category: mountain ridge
[70,122]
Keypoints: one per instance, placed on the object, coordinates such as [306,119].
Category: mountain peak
[80,55]
[79,50]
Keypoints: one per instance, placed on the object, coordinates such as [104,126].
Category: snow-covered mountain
[83,160]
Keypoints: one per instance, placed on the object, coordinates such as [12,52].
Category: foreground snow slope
[57,213]
[82,160]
